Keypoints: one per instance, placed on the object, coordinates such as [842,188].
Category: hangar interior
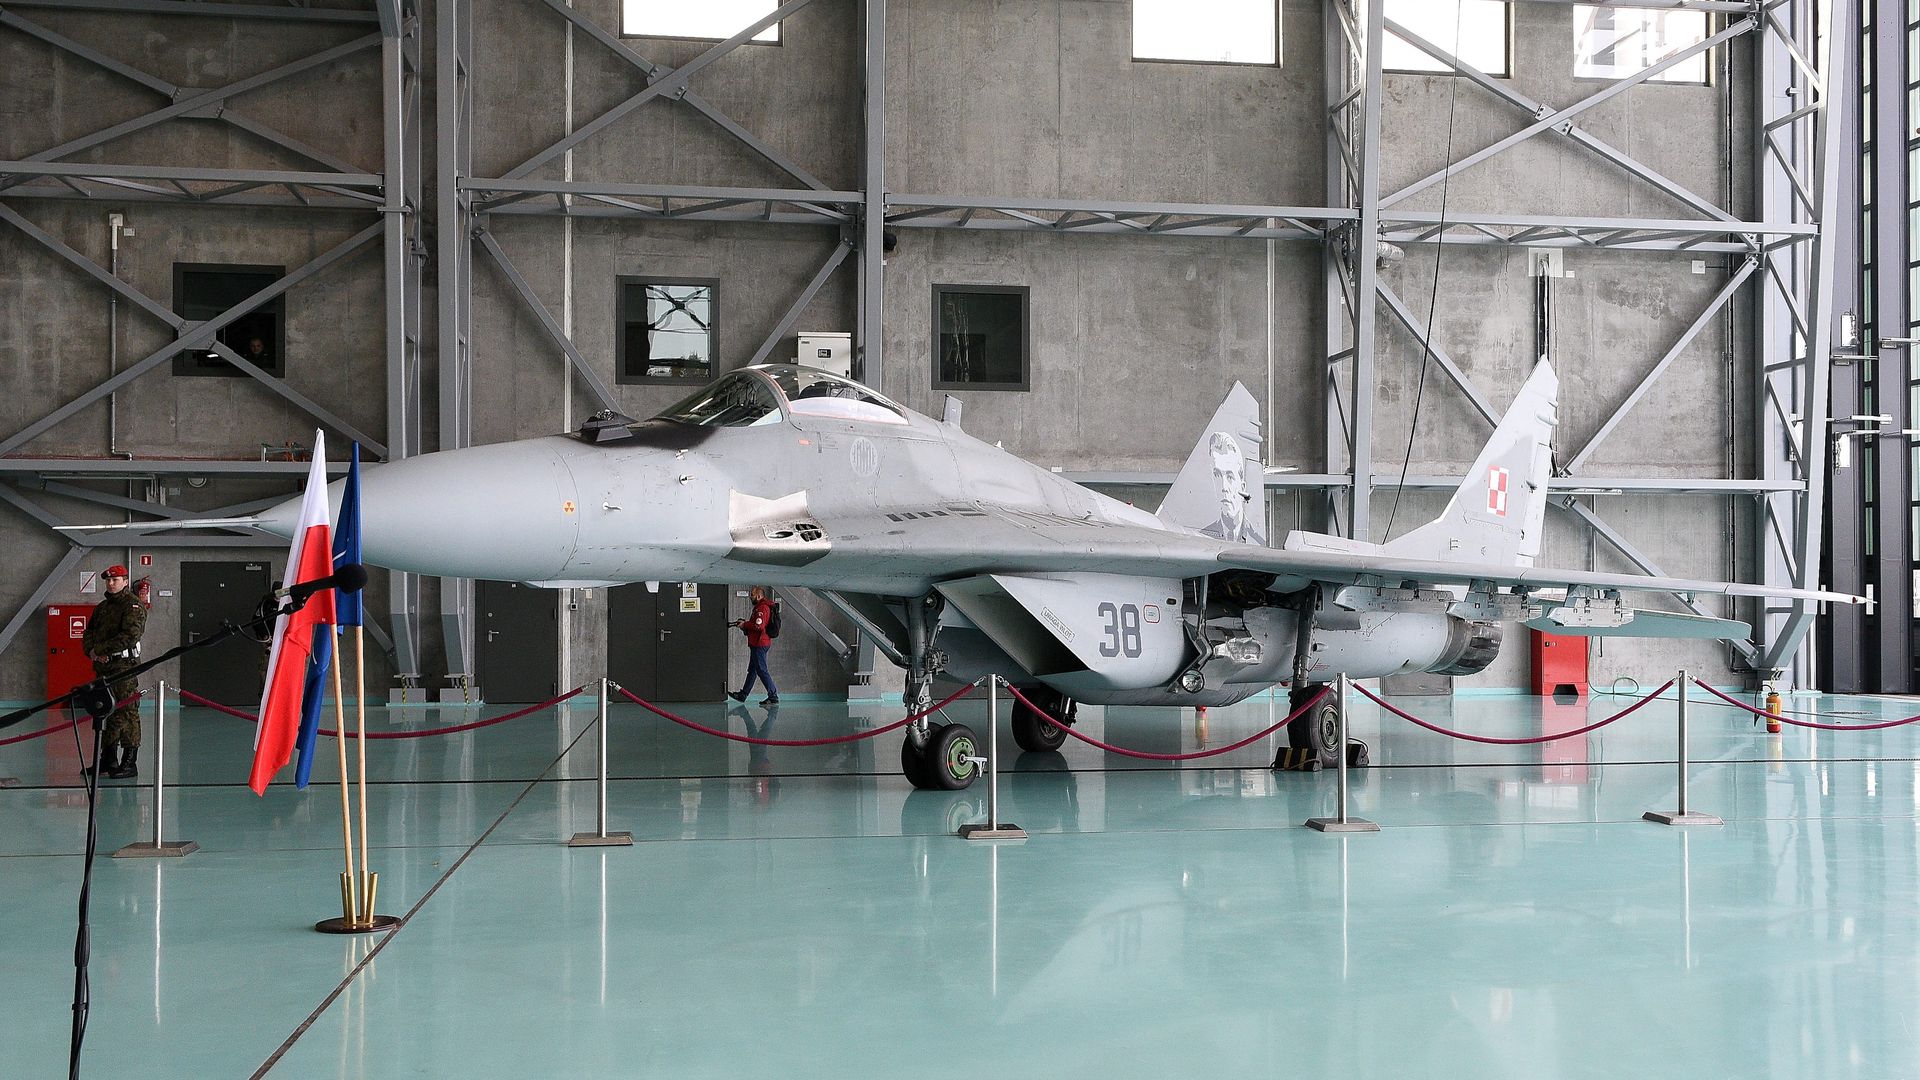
[423,227]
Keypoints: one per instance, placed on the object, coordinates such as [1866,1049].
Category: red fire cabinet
[67,663]
[1559,664]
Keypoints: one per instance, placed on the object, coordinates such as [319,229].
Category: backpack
[773,621]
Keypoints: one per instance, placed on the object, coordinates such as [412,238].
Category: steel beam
[453,135]
[624,52]
[405,251]
[204,100]
[199,336]
[123,468]
[1693,330]
[839,255]
[1555,119]
[601,391]
[1503,89]
[39,595]
[289,13]
[871,285]
[1807,371]
[1405,317]
[1362,256]
[670,83]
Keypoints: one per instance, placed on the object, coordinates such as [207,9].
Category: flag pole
[349,889]
[369,880]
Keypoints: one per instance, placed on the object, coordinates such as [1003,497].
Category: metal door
[669,645]
[211,595]
[516,641]
[632,631]
[67,663]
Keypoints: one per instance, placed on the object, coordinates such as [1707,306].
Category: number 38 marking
[1123,630]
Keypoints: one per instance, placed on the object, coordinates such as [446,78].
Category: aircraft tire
[947,754]
[913,765]
[1318,730]
[1030,731]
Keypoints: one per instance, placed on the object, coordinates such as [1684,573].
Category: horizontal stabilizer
[1652,624]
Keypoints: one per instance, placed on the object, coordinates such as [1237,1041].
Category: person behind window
[759,643]
[256,352]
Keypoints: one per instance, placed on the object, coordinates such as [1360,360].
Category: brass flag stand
[356,890]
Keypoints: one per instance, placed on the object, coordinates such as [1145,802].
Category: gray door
[516,642]
[669,645]
[212,594]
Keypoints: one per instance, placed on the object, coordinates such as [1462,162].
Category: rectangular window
[1614,43]
[666,330]
[980,338]
[1481,28]
[202,291]
[708,20]
[1207,31]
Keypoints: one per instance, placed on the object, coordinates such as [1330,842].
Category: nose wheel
[943,760]
[1317,731]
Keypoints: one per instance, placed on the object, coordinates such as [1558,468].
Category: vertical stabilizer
[1222,491]
[1499,512]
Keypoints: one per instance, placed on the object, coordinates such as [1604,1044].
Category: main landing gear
[1030,730]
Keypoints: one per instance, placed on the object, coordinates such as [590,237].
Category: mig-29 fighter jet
[960,558]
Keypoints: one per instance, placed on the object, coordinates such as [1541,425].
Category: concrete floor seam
[294,1037]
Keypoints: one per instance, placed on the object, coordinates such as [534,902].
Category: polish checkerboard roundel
[1497,490]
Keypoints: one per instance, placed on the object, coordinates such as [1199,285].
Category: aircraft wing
[956,540]
[1348,567]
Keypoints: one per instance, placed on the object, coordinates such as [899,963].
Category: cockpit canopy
[770,393]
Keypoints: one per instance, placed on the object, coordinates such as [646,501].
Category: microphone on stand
[347,577]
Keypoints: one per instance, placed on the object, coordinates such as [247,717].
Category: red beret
[116,570]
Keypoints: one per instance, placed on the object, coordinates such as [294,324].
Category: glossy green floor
[800,913]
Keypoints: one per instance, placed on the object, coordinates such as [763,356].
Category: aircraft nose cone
[504,512]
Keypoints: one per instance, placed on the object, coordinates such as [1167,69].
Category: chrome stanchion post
[159,848]
[993,830]
[1343,823]
[602,838]
[1682,816]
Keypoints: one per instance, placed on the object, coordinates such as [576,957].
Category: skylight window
[1614,43]
[1480,26]
[708,20]
[1207,31]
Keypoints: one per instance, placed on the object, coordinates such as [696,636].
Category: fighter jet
[961,559]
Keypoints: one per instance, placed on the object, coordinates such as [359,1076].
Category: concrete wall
[1134,341]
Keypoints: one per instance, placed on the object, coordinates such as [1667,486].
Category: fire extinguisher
[1773,711]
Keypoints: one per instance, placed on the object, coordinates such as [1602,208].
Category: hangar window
[709,20]
[1207,31]
[666,329]
[1482,29]
[203,291]
[980,339]
[1614,43]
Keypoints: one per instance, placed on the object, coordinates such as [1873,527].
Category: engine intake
[1471,647]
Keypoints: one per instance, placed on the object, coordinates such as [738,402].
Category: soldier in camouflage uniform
[112,642]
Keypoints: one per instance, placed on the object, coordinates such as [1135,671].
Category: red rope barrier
[69,722]
[855,737]
[188,695]
[1122,751]
[1737,703]
[1623,713]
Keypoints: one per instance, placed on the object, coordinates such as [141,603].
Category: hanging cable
[1433,295]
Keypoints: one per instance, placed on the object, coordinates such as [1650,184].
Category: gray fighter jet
[961,559]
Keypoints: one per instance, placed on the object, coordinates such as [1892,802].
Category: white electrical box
[828,352]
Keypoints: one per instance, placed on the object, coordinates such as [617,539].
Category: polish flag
[309,557]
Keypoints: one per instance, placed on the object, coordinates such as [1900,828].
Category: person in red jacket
[758,644]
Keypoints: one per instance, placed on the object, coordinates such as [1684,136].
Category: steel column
[453,134]
[1363,262]
[405,252]
[871,286]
